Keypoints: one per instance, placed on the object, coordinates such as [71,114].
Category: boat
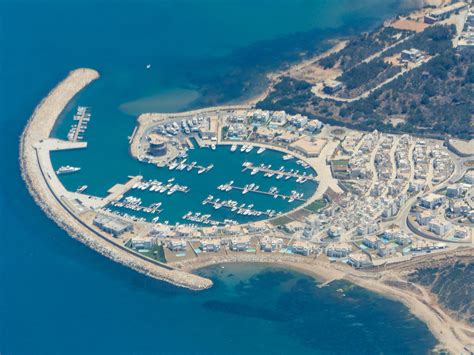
[287,157]
[243,148]
[213,146]
[249,149]
[67,169]
[261,150]
[148,66]
[233,148]
[81,188]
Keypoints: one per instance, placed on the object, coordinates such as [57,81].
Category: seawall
[37,130]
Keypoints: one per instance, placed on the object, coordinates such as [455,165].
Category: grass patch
[316,205]
[279,221]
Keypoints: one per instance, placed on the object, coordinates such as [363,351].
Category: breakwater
[43,190]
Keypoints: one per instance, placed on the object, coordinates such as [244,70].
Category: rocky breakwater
[46,195]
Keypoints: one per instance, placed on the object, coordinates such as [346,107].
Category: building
[142,243]
[113,225]
[454,191]
[386,249]
[240,243]
[314,126]
[332,86]
[298,120]
[278,119]
[264,133]
[424,217]
[176,245]
[338,250]
[209,130]
[237,131]
[411,55]
[210,245]
[287,137]
[334,232]
[372,241]
[269,244]
[444,13]
[439,226]
[359,260]
[309,146]
[157,145]
[432,200]
[469,177]
[302,248]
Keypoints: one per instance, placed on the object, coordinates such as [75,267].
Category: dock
[251,166]
[82,116]
[244,189]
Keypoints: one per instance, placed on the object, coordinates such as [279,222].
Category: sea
[59,297]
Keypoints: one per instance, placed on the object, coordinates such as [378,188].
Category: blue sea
[58,296]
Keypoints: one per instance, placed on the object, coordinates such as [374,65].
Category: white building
[359,260]
[432,200]
[338,250]
[439,226]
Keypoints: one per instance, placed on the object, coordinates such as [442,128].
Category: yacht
[81,188]
[287,157]
[67,169]
[233,148]
[261,150]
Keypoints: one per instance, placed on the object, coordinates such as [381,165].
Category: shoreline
[38,130]
[450,333]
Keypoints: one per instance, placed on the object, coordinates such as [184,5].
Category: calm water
[56,295]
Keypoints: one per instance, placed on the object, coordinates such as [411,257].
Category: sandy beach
[452,334]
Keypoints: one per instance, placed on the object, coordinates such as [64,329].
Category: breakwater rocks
[37,176]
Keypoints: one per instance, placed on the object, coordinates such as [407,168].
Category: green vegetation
[453,283]
[434,99]
[363,46]
[316,205]
[279,221]
[363,73]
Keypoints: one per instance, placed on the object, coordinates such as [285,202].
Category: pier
[82,116]
[282,173]
[294,197]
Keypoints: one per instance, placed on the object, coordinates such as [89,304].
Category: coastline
[35,133]
[451,334]
[447,330]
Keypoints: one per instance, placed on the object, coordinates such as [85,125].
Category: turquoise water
[227,167]
[58,296]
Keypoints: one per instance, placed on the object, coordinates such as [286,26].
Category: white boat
[213,146]
[287,157]
[244,148]
[249,149]
[67,169]
[233,148]
[261,150]
[81,188]
[148,66]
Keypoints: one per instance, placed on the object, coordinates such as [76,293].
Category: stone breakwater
[36,131]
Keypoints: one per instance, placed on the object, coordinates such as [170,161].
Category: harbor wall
[38,130]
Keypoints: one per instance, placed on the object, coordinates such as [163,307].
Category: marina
[279,174]
[81,119]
